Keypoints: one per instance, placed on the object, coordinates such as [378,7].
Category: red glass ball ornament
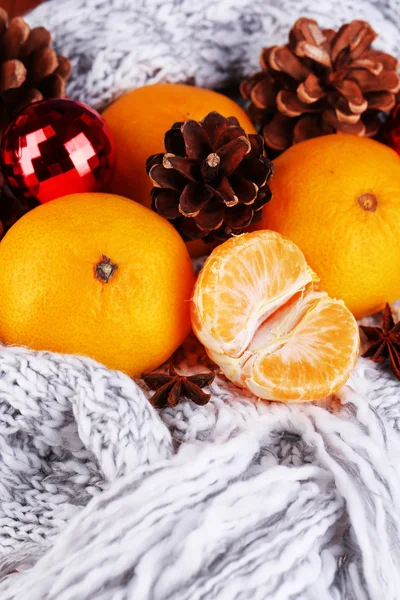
[391,131]
[57,147]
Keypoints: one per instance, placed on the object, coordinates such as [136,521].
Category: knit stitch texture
[104,498]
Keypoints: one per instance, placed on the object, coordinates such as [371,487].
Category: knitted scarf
[104,498]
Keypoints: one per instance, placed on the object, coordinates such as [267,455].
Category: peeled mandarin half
[260,318]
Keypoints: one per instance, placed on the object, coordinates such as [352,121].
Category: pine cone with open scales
[212,182]
[321,82]
[30,69]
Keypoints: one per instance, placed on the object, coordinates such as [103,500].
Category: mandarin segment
[243,282]
[314,360]
[262,320]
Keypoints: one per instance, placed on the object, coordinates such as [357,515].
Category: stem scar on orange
[98,275]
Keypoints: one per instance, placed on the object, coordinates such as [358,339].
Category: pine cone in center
[213,179]
[321,82]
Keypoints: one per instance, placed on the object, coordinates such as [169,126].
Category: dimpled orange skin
[338,198]
[138,121]
[50,298]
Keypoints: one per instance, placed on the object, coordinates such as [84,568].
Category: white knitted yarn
[102,497]
[116,45]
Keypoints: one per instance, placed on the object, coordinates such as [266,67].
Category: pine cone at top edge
[321,82]
[30,69]
[212,182]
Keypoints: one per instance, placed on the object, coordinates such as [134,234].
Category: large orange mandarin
[338,198]
[98,275]
[261,318]
[138,121]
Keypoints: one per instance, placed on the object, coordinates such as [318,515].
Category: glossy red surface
[57,147]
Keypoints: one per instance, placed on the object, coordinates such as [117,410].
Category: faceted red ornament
[391,132]
[57,147]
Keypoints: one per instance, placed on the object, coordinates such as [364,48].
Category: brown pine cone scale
[30,69]
[212,182]
[321,82]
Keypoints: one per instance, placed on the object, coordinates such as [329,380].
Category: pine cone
[30,69]
[321,82]
[212,181]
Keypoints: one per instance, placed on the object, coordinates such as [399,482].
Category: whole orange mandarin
[138,121]
[99,275]
[338,198]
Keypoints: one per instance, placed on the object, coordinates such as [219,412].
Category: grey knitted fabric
[104,498]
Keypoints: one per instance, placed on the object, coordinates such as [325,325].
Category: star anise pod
[385,341]
[172,387]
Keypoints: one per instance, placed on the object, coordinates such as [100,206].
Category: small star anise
[172,388]
[385,341]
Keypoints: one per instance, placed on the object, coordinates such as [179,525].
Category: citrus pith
[260,317]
